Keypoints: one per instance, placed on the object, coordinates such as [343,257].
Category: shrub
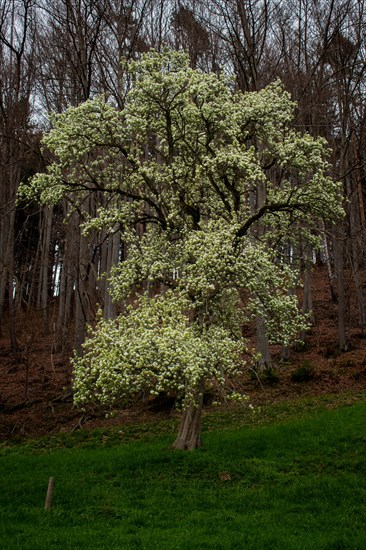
[304,373]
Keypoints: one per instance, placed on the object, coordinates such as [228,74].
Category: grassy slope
[297,482]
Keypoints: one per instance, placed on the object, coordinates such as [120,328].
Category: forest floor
[35,387]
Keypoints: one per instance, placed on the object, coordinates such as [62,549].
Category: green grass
[295,482]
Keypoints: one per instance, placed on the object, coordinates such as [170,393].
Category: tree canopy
[208,186]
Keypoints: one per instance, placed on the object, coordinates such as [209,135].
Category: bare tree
[17,72]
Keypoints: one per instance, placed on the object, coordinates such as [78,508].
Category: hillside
[36,397]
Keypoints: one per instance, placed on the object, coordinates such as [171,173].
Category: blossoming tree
[220,181]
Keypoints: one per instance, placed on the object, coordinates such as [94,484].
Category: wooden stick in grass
[48,503]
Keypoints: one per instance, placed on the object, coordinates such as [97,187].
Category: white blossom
[190,157]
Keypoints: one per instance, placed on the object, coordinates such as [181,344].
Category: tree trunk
[262,347]
[356,252]
[12,331]
[356,270]
[339,268]
[307,302]
[189,435]
[112,260]
[69,261]
[330,273]
[44,279]
[8,272]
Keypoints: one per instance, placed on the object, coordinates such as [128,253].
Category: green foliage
[222,184]
[303,479]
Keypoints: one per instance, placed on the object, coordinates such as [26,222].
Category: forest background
[58,55]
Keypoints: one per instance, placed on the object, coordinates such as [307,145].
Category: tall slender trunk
[7,282]
[3,283]
[86,293]
[67,282]
[356,271]
[307,301]
[12,331]
[329,267]
[112,260]
[43,288]
[356,246]
[262,342]
[339,268]
[263,347]
[10,260]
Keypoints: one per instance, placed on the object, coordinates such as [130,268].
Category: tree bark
[70,259]
[263,348]
[44,279]
[112,260]
[339,268]
[189,435]
[330,272]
